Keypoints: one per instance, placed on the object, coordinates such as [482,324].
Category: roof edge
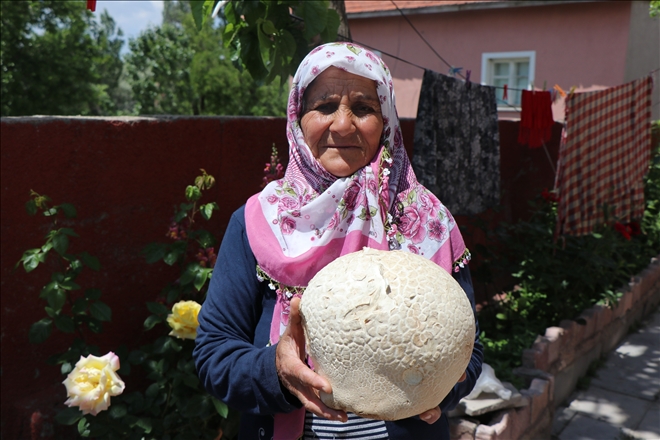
[438,9]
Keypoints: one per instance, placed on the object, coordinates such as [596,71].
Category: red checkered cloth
[605,156]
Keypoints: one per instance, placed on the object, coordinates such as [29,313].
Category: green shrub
[557,278]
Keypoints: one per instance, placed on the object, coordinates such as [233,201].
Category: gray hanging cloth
[456,151]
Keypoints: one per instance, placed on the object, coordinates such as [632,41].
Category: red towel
[605,158]
[535,118]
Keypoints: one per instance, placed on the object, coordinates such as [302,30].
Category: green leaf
[136,357]
[40,331]
[118,411]
[66,368]
[92,294]
[154,252]
[50,212]
[145,424]
[60,243]
[220,407]
[152,390]
[207,210]
[65,324]
[100,311]
[197,8]
[189,274]
[68,416]
[69,285]
[172,256]
[200,278]
[32,258]
[48,289]
[68,209]
[89,260]
[83,428]
[56,299]
[68,231]
[193,193]
[314,13]
[157,308]
[501,316]
[152,321]
[190,379]
[332,25]
[31,207]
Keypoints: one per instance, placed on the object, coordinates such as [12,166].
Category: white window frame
[488,60]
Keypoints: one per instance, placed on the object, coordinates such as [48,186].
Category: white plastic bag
[488,383]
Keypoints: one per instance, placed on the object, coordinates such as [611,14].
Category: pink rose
[372,186]
[437,231]
[371,56]
[398,138]
[315,70]
[272,199]
[350,58]
[287,225]
[413,249]
[354,196]
[289,203]
[334,222]
[428,202]
[411,224]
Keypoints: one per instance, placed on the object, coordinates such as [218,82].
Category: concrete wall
[125,175]
[589,45]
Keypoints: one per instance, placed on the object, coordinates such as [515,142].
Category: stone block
[495,430]
[522,421]
[489,402]
[589,322]
[461,429]
[539,396]
[554,339]
[537,356]
[604,317]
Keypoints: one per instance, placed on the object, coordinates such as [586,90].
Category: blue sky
[132,16]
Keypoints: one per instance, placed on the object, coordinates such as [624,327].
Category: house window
[515,69]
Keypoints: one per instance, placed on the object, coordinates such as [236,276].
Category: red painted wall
[125,175]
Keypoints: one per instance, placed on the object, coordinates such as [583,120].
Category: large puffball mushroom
[392,331]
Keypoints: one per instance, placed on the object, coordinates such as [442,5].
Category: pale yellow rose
[92,382]
[183,319]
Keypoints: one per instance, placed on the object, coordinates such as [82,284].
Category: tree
[56,59]
[270,38]
[176,69]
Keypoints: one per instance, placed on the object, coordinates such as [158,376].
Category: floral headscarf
[302,222]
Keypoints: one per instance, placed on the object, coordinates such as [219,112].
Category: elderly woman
[349,184]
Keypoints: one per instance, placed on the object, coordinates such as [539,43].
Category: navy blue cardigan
[235,364]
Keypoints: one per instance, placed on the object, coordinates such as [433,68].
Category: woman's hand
[295,375]
[433,415]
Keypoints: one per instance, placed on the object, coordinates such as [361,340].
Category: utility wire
[422,37]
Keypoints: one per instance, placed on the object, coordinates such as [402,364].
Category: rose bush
[92,382]
[183,319]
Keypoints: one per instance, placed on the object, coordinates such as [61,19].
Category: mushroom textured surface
[392,332]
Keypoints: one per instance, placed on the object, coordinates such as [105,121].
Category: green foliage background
[57,58]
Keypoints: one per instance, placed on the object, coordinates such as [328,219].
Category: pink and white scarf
[298,224]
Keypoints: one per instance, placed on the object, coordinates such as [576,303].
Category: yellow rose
[92,382]
[183,319]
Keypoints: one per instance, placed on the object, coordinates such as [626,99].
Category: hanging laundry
[535,118]
[605,156]
[456,148]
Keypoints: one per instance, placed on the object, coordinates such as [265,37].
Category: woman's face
[342,123]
